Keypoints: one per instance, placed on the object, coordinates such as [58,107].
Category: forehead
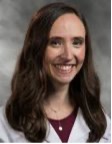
[67,25]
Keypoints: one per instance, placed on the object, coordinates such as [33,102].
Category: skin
[64,57]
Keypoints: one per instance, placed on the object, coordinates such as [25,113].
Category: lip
[61,64]
[64,69]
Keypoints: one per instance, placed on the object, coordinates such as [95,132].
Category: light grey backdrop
[14,19]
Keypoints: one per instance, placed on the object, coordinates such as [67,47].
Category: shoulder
[3,136]
[107,135]
[84,128]
[8,134]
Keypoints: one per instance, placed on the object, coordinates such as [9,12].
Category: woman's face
[65,52]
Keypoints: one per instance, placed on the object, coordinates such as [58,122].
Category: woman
[55,89]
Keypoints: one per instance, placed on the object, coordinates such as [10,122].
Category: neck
[60,96]
[58,103]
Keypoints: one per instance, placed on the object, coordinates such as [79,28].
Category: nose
[67,52]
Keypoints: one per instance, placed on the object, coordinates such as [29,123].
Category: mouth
[64,68]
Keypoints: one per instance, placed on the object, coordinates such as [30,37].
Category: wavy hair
[30,84]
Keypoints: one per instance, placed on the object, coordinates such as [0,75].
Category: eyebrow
[62,38]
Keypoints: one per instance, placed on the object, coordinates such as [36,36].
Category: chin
[64,81]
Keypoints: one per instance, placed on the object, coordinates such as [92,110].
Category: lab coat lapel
[52,136]
[80,130]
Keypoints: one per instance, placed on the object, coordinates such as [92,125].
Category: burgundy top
[66,123]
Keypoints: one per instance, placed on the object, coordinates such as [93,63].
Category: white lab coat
[79,133]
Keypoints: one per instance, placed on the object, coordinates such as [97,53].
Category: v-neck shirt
[66,123]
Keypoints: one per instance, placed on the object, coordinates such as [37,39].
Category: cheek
[50,55]
[49,60]
[81,54]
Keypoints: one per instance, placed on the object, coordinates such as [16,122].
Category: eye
[55,42]
[77,42]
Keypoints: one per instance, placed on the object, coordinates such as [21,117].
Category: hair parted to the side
[24,109]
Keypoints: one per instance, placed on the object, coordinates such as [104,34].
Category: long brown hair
[30,85]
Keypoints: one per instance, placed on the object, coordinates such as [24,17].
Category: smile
[65,69]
